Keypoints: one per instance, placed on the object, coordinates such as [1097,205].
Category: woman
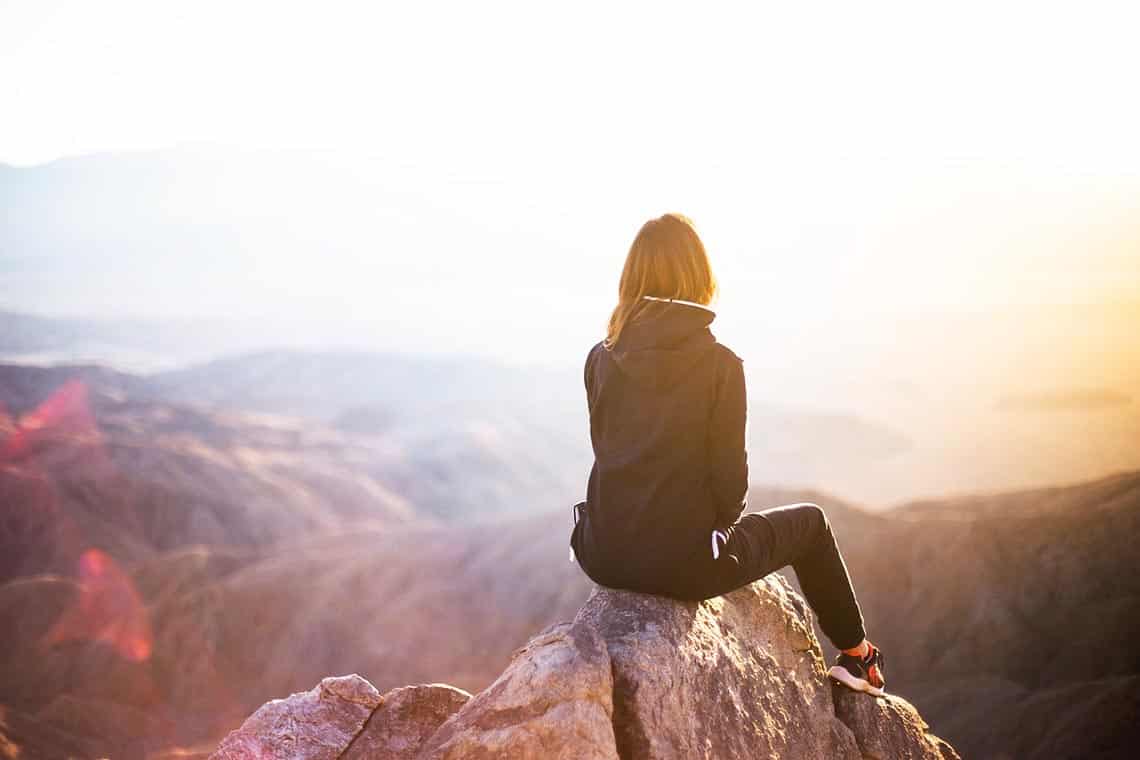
[664,502]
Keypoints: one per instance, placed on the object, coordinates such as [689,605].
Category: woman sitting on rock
[664,502]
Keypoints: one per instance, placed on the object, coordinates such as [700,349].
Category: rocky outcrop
[554,700]
[405,718]
[344,717]
[631,676]
[318,724]
[888,728]
[735,676]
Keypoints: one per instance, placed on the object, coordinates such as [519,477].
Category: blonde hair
[667,260]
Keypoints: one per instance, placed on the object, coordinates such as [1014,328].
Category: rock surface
[739,675]
[554,700]
[344,718]
[631,676]
[888,728]
[314,725]
[405,718]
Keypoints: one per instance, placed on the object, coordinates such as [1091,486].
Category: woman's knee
[816,518]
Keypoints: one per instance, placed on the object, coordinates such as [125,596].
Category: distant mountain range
[167,567]
[875,442]
[461,436]
[89,461]
[133,345]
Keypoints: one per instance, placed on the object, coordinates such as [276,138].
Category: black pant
[760,543]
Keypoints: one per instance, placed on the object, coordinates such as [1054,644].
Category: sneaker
[860,673]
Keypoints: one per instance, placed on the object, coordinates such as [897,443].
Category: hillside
[1000,611]
[461,438]
[85,465]
[1004,611]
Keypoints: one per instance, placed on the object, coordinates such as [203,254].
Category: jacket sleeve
[588,375]
[728,455]
[586,371]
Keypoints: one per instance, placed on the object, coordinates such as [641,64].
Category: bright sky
[833,156]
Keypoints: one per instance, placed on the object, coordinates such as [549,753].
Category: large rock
[313,725]
[631,676]
[344,718]
[889,728]
[554,701]
[737,676]
[404,719]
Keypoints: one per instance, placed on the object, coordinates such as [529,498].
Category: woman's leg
[800,535]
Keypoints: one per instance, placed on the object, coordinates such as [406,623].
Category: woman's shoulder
[589,366]
[595,350]
[727,354]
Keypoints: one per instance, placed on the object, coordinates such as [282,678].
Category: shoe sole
[844,677]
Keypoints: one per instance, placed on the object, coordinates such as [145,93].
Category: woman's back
[667,415]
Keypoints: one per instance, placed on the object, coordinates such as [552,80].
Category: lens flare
[66,413]
[108,609]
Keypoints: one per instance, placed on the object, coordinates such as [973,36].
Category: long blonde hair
[667,260]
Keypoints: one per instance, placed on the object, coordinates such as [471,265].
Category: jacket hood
[666,340]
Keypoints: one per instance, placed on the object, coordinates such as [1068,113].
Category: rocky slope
[631,676]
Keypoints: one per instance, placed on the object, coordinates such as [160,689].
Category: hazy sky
[835,157]
[630,83]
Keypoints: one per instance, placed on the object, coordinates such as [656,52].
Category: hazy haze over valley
[929,366]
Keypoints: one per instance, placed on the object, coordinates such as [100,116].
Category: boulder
[889,728]
[736,676]
[404,719]
[632,676]
[314,725]
[554,701]
[344,718]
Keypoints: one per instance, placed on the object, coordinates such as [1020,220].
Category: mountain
[1004,611]
[493,435]
[460,437]
[1001,611]
[86,465]
[167,567]
[134,345]
[451,457]
[330,384]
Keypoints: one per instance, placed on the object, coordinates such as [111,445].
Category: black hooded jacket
[667,422]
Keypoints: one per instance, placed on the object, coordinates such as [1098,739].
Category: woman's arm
[588,374]
[728,455]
